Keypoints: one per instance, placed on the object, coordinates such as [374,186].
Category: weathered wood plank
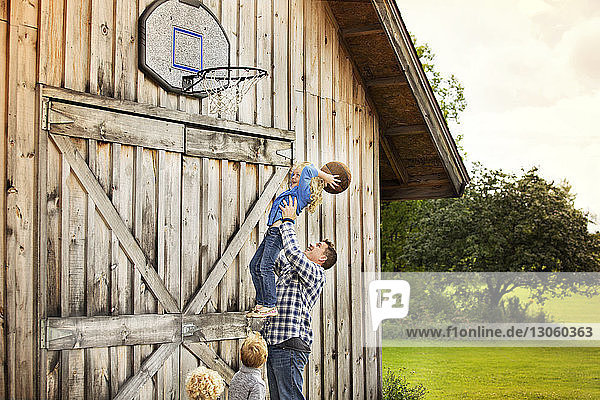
[281,100]
[229,146]
[3,124]
[229,286]
[92,123]
[145,227]
[102,331]
[236,243]
[315,363]
[326,36]
[73,269]
[125,64]
[368,207]
[248,195]
[210,225]
[21,179]
[147,91]
[211,359]
[51,39]
[111,216]
[329,323]
[169,253]
[146,110]
[312,44]
[264,60]
[377,204]
[101,43]
[41,243]
[98,272]
[342,242]
[118,370]
[191,214]
[53,303]
[77,45]
[355,224]
[150,366]
[247,56]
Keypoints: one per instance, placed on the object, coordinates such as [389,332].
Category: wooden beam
[211,359]
[433,192]
[128,243]
[107,331]
[165,114]
[397,80]
[401,130]
[397,166]
[391,20]
[152,364]
[214,326]
[235,245]
[362,30]
[92,123]
[415,184]
[233,147]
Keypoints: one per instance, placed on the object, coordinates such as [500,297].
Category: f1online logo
[388,300]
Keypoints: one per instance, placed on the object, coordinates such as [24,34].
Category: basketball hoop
[224,86]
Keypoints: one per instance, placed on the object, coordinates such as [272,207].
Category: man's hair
[254,351]
[331,255]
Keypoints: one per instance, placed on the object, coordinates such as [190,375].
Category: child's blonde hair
[204,384]
[316,188]
[254,351]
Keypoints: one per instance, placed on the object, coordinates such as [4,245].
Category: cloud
[531,72]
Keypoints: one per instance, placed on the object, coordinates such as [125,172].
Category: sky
[531,72]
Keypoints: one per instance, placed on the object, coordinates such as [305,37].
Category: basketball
[342,172]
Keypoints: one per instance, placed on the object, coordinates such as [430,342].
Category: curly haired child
[204,384]
[306,186]
[247,383]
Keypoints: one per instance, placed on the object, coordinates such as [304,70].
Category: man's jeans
[262,267]
[284,372]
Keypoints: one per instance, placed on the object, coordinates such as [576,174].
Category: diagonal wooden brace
[150,367]
[105,207]
[201,297]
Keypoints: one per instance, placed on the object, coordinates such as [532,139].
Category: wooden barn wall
[90,46]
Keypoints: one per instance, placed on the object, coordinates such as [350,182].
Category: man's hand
[288,209]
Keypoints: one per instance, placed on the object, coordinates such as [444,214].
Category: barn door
[148,224]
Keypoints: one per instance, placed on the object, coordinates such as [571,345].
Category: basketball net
[226,86]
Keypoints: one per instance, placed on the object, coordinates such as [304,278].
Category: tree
[503,223]
[398,217]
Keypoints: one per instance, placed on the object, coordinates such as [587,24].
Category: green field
[549,373]
[501,372]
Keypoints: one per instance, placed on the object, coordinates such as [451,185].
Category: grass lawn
[501,372]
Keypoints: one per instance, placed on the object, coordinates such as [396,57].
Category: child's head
[204,384]
[316,186]
[254,351]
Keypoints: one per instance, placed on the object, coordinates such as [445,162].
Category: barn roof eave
[419,158]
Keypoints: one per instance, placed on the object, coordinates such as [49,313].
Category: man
[289,335]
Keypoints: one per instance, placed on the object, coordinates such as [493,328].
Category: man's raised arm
[308,271]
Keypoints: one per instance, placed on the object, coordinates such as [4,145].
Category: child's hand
[288,209]
[331,180]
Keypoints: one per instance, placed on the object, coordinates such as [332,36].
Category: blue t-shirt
[300,192]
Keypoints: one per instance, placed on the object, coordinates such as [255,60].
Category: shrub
[396,386]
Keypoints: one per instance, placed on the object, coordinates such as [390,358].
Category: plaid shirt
[299,285]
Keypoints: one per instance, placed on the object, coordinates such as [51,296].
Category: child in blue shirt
[306,186]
